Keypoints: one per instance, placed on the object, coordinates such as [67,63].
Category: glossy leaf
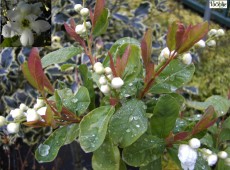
[175,75]
[79,102]
[88,83]
[47,151]
[101,23]
[72,133]
[58,101]
[106,157]
[60,56]
[164,116]
[146,47]
[146,149]
[220,104]
[153,165]
[171,36]
[201,163]
[128,123]
[93,128]
[99,8]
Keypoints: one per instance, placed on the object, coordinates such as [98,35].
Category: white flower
[164,54]
[212,32]
[102,80]
[17,113]
[194,143]
[23,22]
[108,70]
[187,157]
[39,104]
[42,111]
[105,89]
[117,82]
[88,24]
[23,107]
[220,32]
[212,159]
[187,58]
[206,153]
[2,121]
[222,154]
[80,29]
[211,43]
[84,12]
[78,7]
[32,115]
[98,68]
[200,44]
[13,127]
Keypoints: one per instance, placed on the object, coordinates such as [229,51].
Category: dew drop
[137,126]
[135,117]
[128,130]
[130,84]
[131,118]
[74,100]
[43,150]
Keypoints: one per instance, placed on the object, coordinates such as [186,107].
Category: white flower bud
[80,29]
[164,54]
[88,25]
[2,121]
[211,43]
[110,76]
[227,161]
[212,159]
[42,111]
[187,58]
[98,68]
[194,143]
[102,80]
[108,70]
[117,82]
[13,127]
[17,113]
[200,44]
[23,107]
[212,32]
[105,89]
[206,153]
[222,154]
[78,7]
[32,115]
[187,157]
[220,32]
[84,12]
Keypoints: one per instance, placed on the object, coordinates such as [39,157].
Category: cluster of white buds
[106,80]
[22,113]
[216,33]
[81,29]
[187,58]
[200,44]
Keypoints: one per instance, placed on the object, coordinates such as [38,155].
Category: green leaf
[164,116]
[224,135]
[72,133]
[106,157]
[173,153]
[101,23]
[47,151]
[146,149]
[128,123]
[93,128]
[60,56]
[65,67]
[79,102]
[226,124]
[171,36]
[220,104]
[88,83]
[153,165]
[175,75]
[58,101]
[134,66]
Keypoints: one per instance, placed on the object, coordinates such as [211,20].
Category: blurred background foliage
[128,18]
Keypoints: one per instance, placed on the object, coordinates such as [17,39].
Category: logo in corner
[218,3]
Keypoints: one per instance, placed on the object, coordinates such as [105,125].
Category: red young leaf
[99,7]
[35,68]
[171,36]
[125,57]
[208,119]
[48,86]
[91,15]
[27,74]
[149,72]
[180,34]
[72,33]
[113,101]
[112,66]
[119,66]
[146,47]
[182,136]
[72,23]
[36,124]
